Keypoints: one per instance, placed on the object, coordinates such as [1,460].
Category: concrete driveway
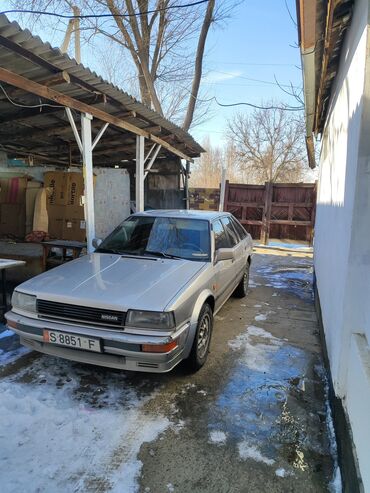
[254,419]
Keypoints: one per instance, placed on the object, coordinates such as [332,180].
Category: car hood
[114,281]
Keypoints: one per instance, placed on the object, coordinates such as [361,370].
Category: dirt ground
[254,419]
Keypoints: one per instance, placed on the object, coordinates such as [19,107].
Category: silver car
[145,299]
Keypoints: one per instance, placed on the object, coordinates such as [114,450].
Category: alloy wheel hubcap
[203,336]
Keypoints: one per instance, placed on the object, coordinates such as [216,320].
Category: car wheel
[202,339]
[242,287]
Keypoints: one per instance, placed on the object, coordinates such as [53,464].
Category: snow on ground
[335,485]
[248,451]
[256,354]
[54,440]
[6,333]
[7,357]
[217,437]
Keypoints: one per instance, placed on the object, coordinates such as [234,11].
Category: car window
[239,228]
[165,236]
[234,239]
[221,238]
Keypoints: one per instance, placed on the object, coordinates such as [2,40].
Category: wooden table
[7,264]
[63,245]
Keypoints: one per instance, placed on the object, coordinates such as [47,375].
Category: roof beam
[59,98]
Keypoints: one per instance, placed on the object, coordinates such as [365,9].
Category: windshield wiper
[108,250]
[161,254]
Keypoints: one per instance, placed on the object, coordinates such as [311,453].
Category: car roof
[183,214]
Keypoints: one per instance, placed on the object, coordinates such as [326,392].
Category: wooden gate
[274,210]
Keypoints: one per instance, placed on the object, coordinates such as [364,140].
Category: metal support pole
[222,191]
[139,189]
[88,179]
[100,135]
[151,162]
[186,188]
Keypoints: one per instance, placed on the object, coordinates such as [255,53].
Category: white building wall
[342,233]
[111,199]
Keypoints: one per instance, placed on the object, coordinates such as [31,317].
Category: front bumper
[119,350]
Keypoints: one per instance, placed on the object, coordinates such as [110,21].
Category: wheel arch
[206,296]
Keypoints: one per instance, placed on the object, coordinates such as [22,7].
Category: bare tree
[160,42]
[269,145]
[206,171]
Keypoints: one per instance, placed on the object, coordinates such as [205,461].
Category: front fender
[204,295]
[207,293]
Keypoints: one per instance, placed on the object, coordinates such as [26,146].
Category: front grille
[77,313]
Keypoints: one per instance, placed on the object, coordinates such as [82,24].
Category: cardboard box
[56,221]
[75,189]
[74,212]
[55,183]
[74,229]
[13,190]
[65,205]
[13,220]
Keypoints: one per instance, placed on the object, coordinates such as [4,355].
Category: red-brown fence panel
[274,210]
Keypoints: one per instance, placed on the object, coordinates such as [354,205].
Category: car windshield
[160,236]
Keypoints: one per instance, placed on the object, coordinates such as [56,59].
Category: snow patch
[49,436]
[256,354]
[7,357]
[260,318]
[282,473]
[170,488]
[257,306]
[217,437]
[248,451]
[6,333]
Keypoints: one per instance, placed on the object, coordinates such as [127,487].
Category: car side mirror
[96,242]
[224,254]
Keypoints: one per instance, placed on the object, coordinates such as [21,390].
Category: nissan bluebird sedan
[145,299]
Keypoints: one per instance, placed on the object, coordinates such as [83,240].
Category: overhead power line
[283,107]
[101,16]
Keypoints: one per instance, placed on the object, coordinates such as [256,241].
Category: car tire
[200,349]
[242,288]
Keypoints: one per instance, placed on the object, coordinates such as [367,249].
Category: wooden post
[186,187]
[265,228]
[313,213]
[225,198]
[222,189]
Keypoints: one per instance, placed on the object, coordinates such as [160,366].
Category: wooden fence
[274,210]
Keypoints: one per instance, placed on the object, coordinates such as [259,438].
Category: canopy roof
[37,83]
[322,25]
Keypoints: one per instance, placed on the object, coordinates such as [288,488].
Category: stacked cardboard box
[13,206]
[64,205]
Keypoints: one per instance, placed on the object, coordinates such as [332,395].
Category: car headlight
[150,320]
[24,301]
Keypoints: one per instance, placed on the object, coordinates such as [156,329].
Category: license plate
[72,340]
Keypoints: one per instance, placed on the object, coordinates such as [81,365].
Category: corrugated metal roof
[36,60]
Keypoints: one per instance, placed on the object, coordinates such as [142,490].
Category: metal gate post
[139,181]
[88,179]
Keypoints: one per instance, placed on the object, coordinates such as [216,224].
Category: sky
[243,58]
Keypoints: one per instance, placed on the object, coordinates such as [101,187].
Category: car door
[224,272]
[245,239]
[237,245]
